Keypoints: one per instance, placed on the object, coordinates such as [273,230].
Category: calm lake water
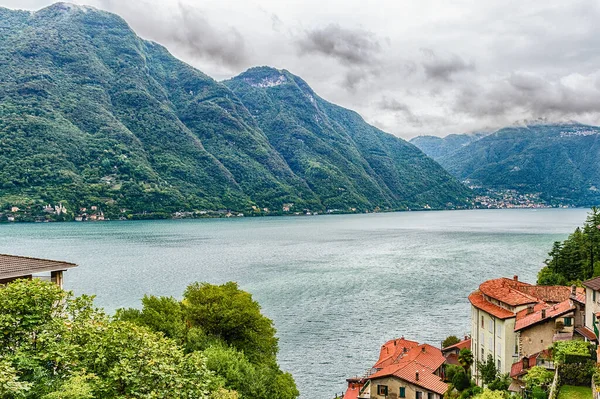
[337,287]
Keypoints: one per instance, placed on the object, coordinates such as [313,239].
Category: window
[499,366]
[568,321]
[491,326]
[483,324]
[382,390]
[516,344]
[499,330]
[481,339]
[491,343]
[402,392]
[498,349]
[429,395]
[594,296]
[482,354]
[419,395]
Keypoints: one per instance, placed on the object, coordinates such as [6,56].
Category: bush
[577,374]
[452,370]
[461,381]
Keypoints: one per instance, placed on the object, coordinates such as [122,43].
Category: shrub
[461,381]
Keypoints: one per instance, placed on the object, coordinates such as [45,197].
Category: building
[18,267]
[451,352]
[592,309]
[405,369]
[512,319]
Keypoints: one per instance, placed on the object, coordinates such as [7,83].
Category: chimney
[417,376]
[573,290]
[516,278]
[466,337]
[394,342]
[543,313]
[405,349]
[423,349]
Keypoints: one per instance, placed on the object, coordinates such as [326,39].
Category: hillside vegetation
[92,115]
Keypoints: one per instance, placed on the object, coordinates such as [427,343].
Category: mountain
[91,114]
[437,147]
[560,161]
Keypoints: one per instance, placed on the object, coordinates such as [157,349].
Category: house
[405,369]
[511,319]
[519,369]
[17,267]
[592,310]
[451,352]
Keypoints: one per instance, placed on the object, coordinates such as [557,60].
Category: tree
[538,376]
[489,394]
[487,370]
[228,313]
[461,381]
[450,340]
[465,359]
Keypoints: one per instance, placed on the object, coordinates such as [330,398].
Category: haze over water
[337,287]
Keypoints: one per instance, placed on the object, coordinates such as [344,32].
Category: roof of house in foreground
[12,266]
[423,360]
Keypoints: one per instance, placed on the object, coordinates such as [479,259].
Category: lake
[337,287]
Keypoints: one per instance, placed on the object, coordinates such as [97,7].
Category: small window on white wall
[499,330]
[491,326]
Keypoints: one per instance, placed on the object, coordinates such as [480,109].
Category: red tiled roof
[507,291]
[392,350]
[593,283]
[424,358]
[465,343]
[479,302]
[550,293]
[517,369]
[580,298]
[19,266]
[353,390]
[426,379]
[525,320]
[586,333]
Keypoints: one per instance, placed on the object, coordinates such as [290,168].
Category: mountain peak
[264,76]
[65,7]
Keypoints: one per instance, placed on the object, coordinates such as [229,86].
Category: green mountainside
[92,115]
[559,161]
[437,147]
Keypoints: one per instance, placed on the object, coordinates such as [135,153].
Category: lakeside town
[526,341]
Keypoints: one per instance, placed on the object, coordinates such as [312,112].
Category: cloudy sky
[409,67]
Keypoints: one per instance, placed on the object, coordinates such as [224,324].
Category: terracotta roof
[353,390]
[593,283]
[517,369]
[392,350]
[525,320]
[479,302]
[550,293]
[580,298]
[507,291]
[19,266]
[586,333]
[426,379]
[465,343]
[426,355]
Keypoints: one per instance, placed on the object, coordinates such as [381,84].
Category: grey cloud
[185,27]
[402,110]
[444,67]
[354,46]
[526,93]
[276,22]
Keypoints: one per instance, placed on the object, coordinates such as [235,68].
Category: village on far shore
[514,328]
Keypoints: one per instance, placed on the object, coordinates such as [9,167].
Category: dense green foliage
[92,115]
[559,161]
[577,258]
[465,359]
[223,323]
[343,159]
[538,376]
[55,346]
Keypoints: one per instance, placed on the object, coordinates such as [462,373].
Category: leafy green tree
[538,376]
[450,340]
[228,313]
[461,381]
[489,394]
[487,370]
[465,359]
[500,383]
[451,370]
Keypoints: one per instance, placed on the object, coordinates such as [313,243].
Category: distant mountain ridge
[559,160]
[90,114]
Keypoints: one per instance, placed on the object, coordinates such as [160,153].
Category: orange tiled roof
[392,350]
[426,379]
[507,291]
[518,369]
[525,320]
[452,358]
[587,333]
[465,343]
[550,293]
[479,302]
